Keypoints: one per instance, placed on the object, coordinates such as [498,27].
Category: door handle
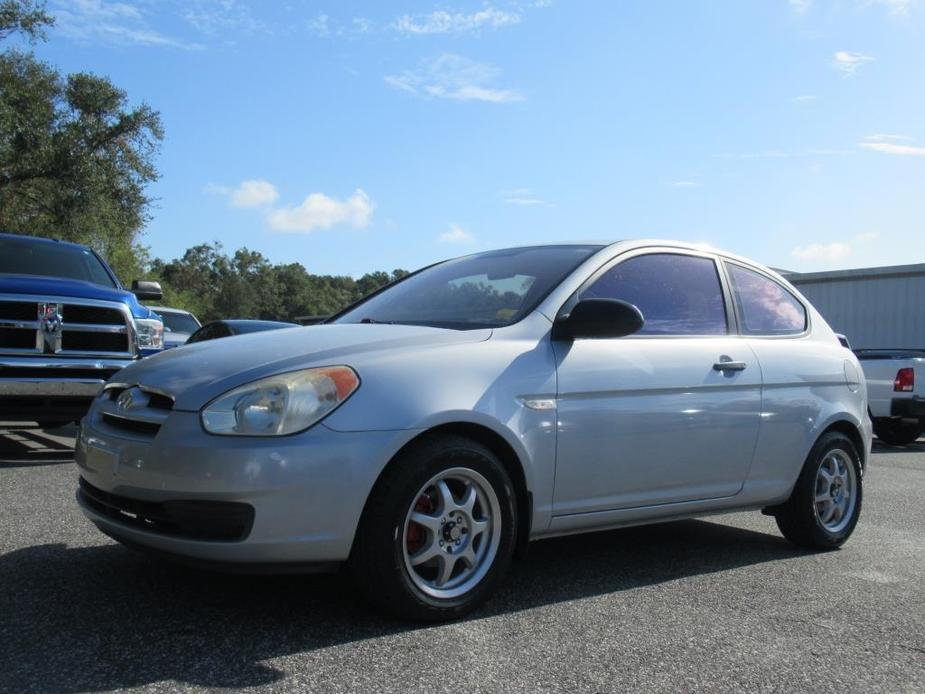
[730,366]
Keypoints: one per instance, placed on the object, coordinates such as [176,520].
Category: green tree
[75,158]
[211,284]
[24,17]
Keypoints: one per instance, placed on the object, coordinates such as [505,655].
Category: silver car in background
[178,325]
[424,435]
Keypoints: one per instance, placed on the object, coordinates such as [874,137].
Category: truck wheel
[825,503]
[438,531]
[897,432]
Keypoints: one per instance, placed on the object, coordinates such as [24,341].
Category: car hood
[197,373]
[63,288]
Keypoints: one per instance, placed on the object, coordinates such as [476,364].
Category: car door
[667,415]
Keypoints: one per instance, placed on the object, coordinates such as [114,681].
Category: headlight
[280,405]
[149,333]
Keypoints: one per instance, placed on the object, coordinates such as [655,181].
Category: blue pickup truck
[66,325]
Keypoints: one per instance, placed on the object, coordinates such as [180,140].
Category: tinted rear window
[765,307]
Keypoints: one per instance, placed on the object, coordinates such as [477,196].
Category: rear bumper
[47,388]
[908,408]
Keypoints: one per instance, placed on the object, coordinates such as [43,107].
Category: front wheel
[825,504]
[897,432]
[438,532]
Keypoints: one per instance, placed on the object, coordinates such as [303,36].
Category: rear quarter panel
[809,383]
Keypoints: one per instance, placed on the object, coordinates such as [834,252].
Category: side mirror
[147,290]
[598,318]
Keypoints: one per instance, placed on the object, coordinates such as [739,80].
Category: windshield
[486,290]
[178,322]
[25,257]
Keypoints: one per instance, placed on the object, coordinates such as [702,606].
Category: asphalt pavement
[716,605]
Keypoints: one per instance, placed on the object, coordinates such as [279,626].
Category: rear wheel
[438,532]
[825,504]
[896,432]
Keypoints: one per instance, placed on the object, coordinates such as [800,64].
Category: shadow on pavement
[917,447]
[100,618]
[24,446]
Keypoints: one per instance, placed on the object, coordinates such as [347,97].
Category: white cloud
[890,144]
[443,22]
[248,194]
[849,62]
[867,236]
[456,234]
[221,17]
[254,194]
[111,22]
[895,7]
[320,211]
[805,98]
[524,197]
[319,26]
[882,137]
[822,252]
[800,6]
[892,148]
[453,77]
[685,184]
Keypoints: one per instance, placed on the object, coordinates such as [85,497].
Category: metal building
[878,307]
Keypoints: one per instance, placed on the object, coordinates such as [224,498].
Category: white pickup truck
[895,392]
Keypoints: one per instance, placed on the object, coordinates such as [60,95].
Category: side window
[765,307]
[677,294]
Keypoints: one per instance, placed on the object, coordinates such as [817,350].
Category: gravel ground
[714,605]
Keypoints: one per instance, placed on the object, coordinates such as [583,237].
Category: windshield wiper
[377,322]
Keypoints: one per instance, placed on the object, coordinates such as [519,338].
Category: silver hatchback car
[424,435]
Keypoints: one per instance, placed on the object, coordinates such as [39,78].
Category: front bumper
[46,388]
[908,408]
[306,491]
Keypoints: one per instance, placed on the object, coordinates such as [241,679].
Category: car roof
[40,239]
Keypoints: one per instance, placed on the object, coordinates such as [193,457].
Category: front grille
[99,315]
[220,521]
[145,413]
[17,310]
[136,426]
[68,328]
[92,342]
[25,373]
[17,338]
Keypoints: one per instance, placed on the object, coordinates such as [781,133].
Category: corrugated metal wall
[873,312]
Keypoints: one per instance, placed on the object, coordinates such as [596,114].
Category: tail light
[905,381]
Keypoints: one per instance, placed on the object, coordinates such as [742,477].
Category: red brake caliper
[415,537]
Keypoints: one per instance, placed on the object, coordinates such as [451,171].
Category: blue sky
[354,136]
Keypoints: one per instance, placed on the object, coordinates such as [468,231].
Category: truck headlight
[149,333]
[278,405]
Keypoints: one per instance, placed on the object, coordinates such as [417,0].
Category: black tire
[377,565]
[797,517]
[896,432]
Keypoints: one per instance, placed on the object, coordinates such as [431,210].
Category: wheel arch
[851,430]
[497,444]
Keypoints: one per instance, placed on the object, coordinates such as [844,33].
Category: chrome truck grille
[65,327]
